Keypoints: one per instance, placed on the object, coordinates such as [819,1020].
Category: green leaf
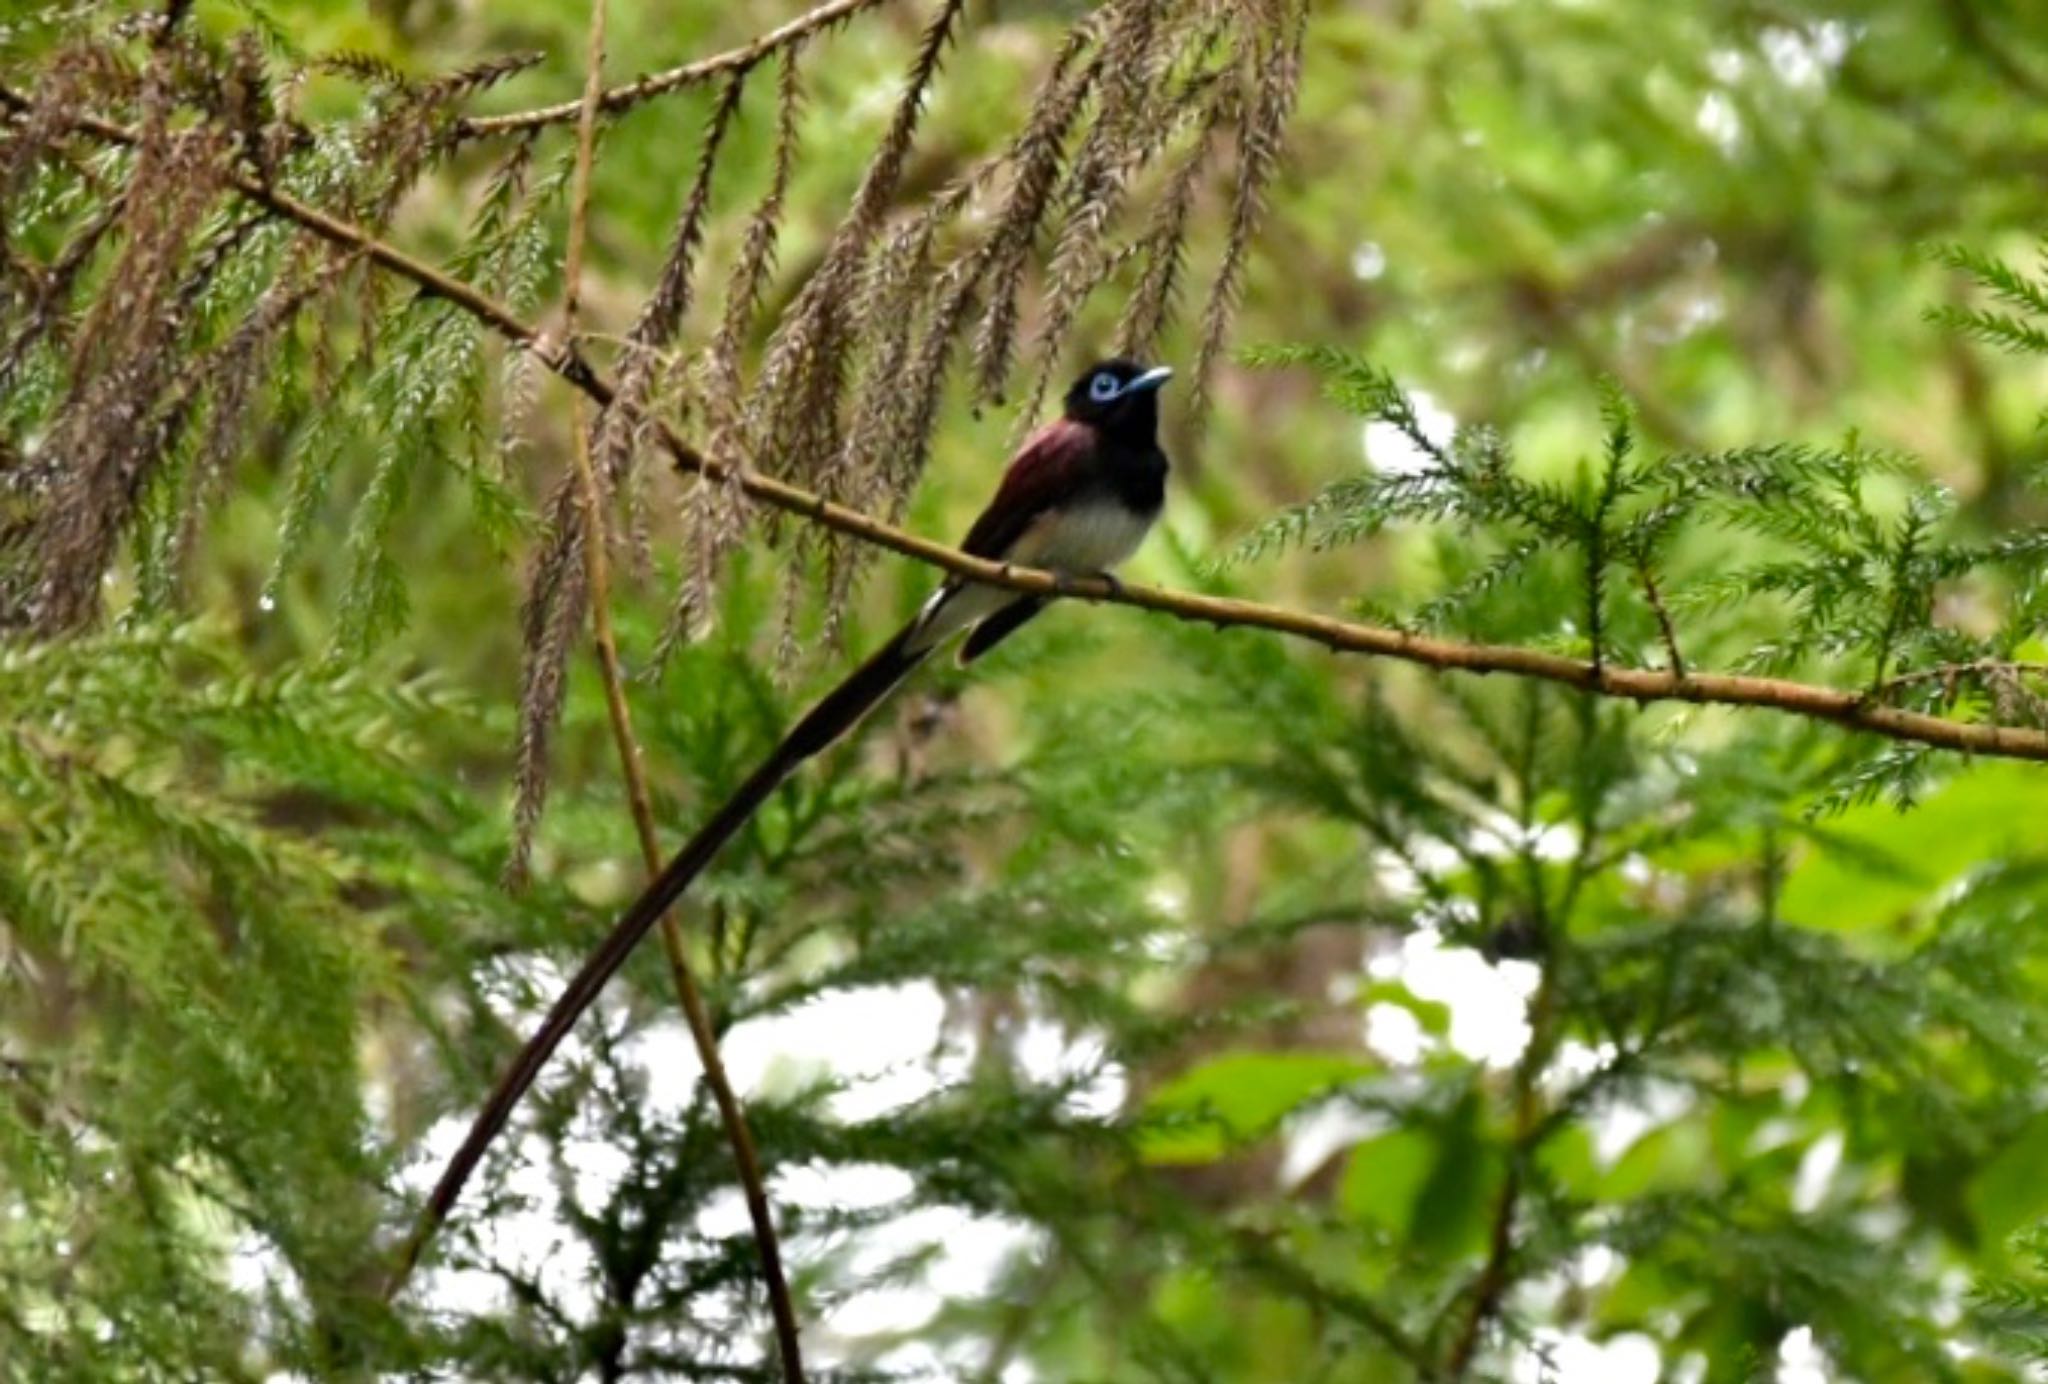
[1673,1158]
[1456,1206]
[1385,1175]
[1986,814]
[1234,1098]
[1433,1015]
[1568,1159]
[2012,1189]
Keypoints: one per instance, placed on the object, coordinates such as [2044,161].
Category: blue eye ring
[1104,387]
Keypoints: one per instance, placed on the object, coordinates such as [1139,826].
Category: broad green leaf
[1984,815]
[2012,1190]
[1234,1098]
[1674,1157]
[1456,1206]
[1384,1176]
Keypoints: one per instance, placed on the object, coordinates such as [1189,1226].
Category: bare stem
[1664,625]
[654,84]
[1490,1289]
[597,565]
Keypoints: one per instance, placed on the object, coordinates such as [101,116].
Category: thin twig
[1664,626]
[654,84]
[586,158]
[1945,672]
[597,565]
[1853,710]
[1496,1276]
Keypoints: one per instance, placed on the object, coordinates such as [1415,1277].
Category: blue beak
[1148,381]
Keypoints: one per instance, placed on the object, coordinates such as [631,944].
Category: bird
[1077,499]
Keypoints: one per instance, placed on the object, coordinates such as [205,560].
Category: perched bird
[1077,499]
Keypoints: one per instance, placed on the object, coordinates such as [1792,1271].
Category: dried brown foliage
[556,589]
[156,324]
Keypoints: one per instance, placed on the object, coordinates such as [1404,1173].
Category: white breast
[1084,539]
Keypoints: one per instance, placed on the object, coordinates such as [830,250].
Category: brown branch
[586,157]
[654,84]
[1665,629]
[1497,1275]
[597,567]
[1852,710]
[1494,1278]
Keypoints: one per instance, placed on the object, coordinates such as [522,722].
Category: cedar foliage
[253,941]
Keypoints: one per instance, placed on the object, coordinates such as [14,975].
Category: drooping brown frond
[1262,126]
[645,365]
[109,433]
[557,590]
[796,418]
[1162,248]
[1036,158]
[891,299]
[665,307]
[719,369]
[1118,143]
[549,620]
[716,510]
[890,302]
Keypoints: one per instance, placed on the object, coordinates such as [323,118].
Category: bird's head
[1119,397]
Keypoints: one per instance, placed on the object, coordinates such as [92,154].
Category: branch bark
[1490,1289]
[654,84]
[1853,710]
[597,567]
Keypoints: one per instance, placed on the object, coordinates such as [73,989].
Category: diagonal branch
[654,84]
[1852,710]
[1490,1289]
[746,1157]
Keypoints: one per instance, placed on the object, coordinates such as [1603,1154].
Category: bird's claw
[1064,584]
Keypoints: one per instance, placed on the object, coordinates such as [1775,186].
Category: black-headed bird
[1076,500]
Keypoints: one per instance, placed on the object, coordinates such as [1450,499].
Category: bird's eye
[1103,388]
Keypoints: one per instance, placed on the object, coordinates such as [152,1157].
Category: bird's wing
[1041,477]
[1042,474]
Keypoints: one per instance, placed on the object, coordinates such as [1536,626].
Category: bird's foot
[1066,583]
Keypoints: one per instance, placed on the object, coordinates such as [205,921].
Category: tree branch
[1852,710]
[597,566]
[1490,1289]
[1665,629]
[654,84]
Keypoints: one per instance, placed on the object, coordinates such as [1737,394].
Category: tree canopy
[1536,872]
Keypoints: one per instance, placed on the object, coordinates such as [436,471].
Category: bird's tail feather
[835,714]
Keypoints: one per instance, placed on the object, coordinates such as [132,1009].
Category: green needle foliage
[1850,550]
[1159,1001]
